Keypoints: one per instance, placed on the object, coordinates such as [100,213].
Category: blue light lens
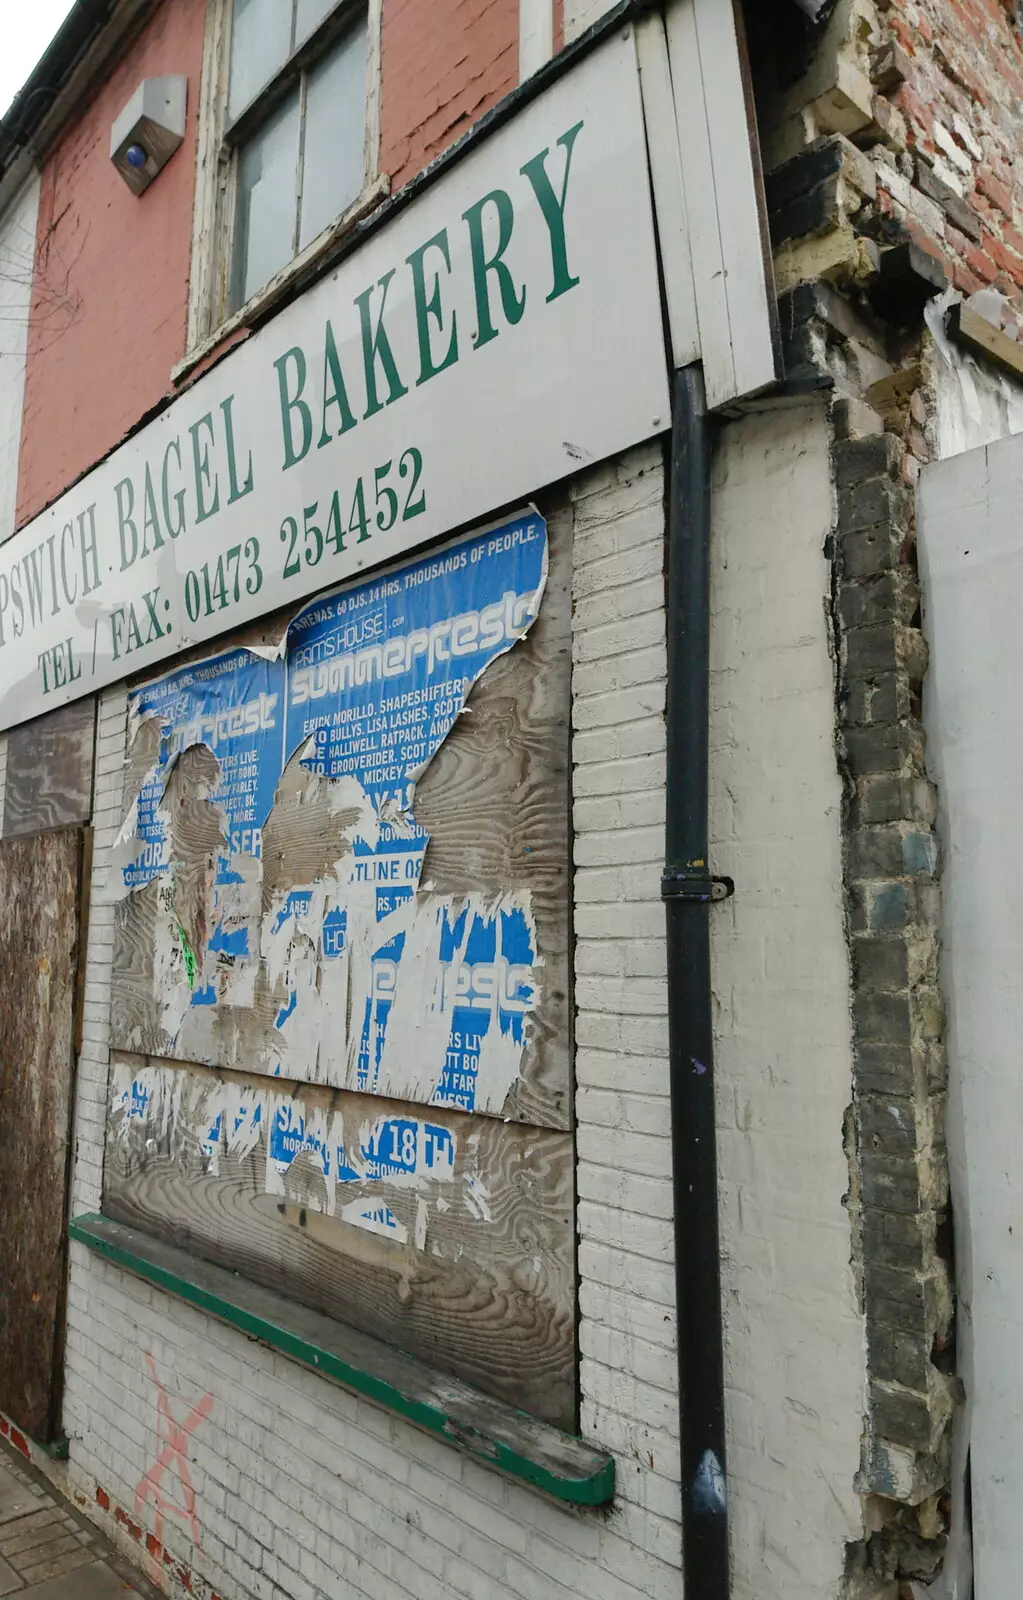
[135,156]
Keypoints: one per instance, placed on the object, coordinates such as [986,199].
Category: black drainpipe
[688,891]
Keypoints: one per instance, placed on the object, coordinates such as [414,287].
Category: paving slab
[17,1498]
[49,1551]
[96,1581]
[9,1579]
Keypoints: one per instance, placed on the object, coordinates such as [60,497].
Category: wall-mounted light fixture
[149,130]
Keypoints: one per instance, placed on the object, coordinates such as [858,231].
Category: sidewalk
[48,1551]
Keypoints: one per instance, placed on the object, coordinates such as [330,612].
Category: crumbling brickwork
[896,1123]
[892,138]
[932,88]
[898,1196]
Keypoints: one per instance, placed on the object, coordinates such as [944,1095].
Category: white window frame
[209,323]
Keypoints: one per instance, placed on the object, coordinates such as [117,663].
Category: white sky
[26,28]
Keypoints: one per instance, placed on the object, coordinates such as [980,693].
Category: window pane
[309,14]
[260,45]
[335,134]
[267,199]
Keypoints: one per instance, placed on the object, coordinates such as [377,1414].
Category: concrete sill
[567,1468]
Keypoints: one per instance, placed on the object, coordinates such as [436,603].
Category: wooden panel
[495,800]
[669,189]
[49,771]
[732,270]
[40,888]
[465,1258]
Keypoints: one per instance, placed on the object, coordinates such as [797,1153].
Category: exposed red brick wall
[955,98]
[109,309]
[443,64]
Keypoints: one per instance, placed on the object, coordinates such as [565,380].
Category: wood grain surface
[40,897]
[49,771]
[483,1283]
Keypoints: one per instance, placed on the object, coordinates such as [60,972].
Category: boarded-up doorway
[40,922]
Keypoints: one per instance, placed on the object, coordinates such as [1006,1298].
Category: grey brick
[891,597]
[884,1017]
[897,1357]
[888,1124]
[885,798]
[864,505]
[878,907]
[869,552]
[903,1416]
[887,908]
[876,852]
[880,963]
[910,1301]
[885,1068]
[896,1299]
[859,459]
[888,749]
[903,1242]
[870,651]
[890,1182]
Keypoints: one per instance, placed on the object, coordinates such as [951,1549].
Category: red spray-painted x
[174,1437]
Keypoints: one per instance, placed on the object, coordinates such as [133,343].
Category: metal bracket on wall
[698,888]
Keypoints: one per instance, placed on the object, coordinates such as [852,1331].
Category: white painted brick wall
[304,1490]
[794,1352]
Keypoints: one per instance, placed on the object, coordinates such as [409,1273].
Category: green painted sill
[495,1433]
[58,1449]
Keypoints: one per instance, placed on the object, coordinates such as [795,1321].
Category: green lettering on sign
[429,306]
[553,208]
[205,478]
[291,403]
[377,347]
[482,264]
[334,391]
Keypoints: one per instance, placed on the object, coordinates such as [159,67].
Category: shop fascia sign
[502,332]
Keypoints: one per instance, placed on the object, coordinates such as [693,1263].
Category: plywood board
[494,800]
[40,890]
[49,771]
[732,269]
[448,1236]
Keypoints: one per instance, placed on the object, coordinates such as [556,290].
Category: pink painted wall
[109,306]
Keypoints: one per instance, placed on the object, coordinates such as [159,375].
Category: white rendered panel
[971,553]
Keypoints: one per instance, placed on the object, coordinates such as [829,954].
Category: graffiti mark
[173,1437]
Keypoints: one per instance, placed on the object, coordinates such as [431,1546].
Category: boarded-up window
[341,1004]
[40,894]
[49,770]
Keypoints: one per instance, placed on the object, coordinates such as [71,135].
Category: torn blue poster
[372,681]
[234,705]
